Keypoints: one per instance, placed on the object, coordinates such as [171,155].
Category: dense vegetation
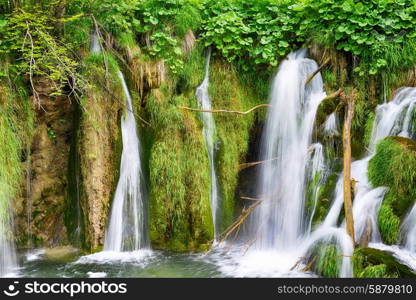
[160,46]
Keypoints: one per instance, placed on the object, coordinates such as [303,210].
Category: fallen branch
[250,198]
[334,95]
[236,225]
[225,111]
[252,164]
[308,267]
[309,79]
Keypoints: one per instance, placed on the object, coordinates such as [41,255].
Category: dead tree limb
[237,224]
[225,111]
[334,95]
[250,198]
[308,267]
[255,163]
[309,79]
[346,140]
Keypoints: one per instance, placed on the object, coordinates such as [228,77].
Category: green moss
[369,128]
[325,194]
[389,223]
[328,261]
[325,108]
[330,79]
[179,176]
[16,127]
[188,18]
[180,213]
[230,92]
[378,271]
[394,166]
[374,263]
[180,182]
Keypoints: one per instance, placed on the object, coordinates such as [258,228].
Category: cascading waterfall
[392,118]
[209,133]
[317,172]
[280,221]
[408,231]
[330,127]
[127,228]
[281,226]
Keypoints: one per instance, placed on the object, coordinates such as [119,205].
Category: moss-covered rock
[180,213]
[45,192]
[374,263]
[325,194]
[180,217]
[179,170]
[98,147]
[16,127]
[230,92]
[328,261]
[394,166]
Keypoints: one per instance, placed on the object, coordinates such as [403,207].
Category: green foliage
[251,32]
[369,30]
[28,38]
[165,22]
[328,261]
[16,127]
[260,32]
[394,166]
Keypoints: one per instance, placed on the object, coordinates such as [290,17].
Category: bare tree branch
[225,111]
[309,79]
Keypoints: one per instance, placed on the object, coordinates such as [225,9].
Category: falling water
[408,230]
[317,172]
[331,125]
[127,229]
[8,260]
[280,222]
[209,133]
[392,118]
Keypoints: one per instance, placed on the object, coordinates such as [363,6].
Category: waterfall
[391,118]
[317,175]
[330,127]
[127,230]
[408,230]
[204,102]
[280,227]
[8,261]
[127,227]
[279,222]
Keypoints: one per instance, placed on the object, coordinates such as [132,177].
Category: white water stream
[204,102]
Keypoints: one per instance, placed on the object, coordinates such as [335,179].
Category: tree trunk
[346,139]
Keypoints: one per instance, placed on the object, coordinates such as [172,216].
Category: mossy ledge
[394,166]
[374,263]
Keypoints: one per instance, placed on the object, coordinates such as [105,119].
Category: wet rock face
[41,217]
[100,149]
